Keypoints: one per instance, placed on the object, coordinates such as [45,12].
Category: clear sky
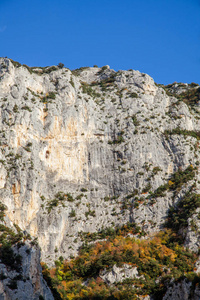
[158,37]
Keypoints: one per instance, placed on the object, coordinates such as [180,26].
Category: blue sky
[158,37]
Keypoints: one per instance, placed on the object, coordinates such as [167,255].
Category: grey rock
[76,133]
[182,290]
[26,282]
[118,274]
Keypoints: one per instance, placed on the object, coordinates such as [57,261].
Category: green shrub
[135,121]
[15,63]
[133,95]
[72,82]
[26,108]
[176,182]
[117,140]
[87,89]
[180,213]
[195,134]
[15,108]
[2,211]
[59,199]
[51,95]
[60,65]
[72,214]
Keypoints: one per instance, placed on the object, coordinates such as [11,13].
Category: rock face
[75,144]
[24,281]
[86,149]
[182,290]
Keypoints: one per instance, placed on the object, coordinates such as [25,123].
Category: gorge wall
[88,149]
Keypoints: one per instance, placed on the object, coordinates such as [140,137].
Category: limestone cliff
[22,279]
[88,149]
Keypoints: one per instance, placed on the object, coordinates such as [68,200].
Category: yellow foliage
[153,250]
[70,296]
[170,182]
[84,292]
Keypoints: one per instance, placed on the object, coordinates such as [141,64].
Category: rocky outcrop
[23,279]
[118,274]
[182,290]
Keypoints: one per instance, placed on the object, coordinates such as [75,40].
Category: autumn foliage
[158,260]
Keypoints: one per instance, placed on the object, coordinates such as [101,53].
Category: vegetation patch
[176,182]
[77,72]
[28,147]
[8,238]
[25,107]
[195,134]
[59,199]
[135,120]
[87,89]
[16,64]
[107,82]
[2,211]
[191,97]
[110,232]
[158,260]
[118,140]
[133,95]
[48,98]
[180,213]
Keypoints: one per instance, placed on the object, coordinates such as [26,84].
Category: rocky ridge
[92,148]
